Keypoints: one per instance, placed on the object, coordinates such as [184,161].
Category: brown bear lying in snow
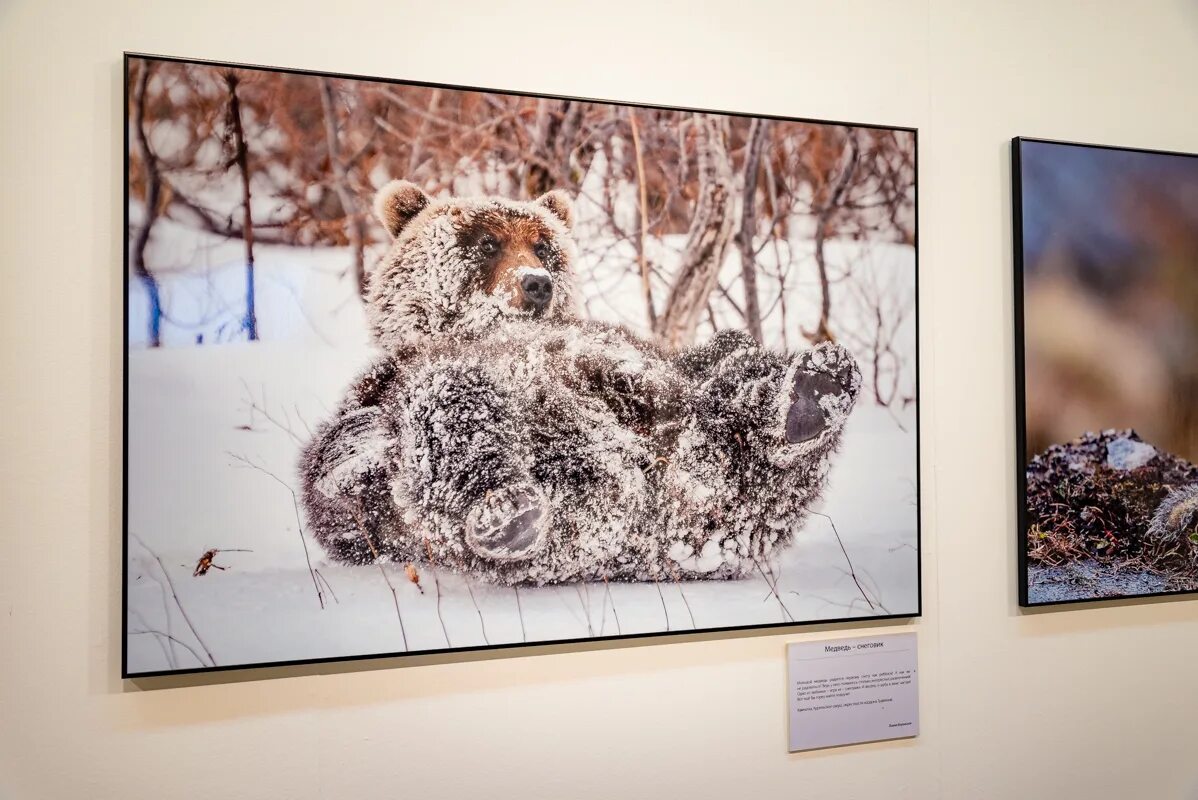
[502,436]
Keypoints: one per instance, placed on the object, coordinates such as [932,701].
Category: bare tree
[662,195]
[556,124]
[708,238]
[417,151]
[643,214]
[883,308]
[153,202]
[354,223]
[758,132]
[824,215]
[240,159]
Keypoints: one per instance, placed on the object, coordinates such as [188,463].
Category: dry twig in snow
[171,585]
[663,603]
[773,590]
[298,520]
[852,574]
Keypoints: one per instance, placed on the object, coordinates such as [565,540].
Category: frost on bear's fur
[502,436]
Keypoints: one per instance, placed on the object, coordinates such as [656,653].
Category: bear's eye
[488,246]
[542,250]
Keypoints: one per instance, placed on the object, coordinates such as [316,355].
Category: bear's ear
[397,203]
[560,205]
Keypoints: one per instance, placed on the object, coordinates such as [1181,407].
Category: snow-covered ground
[215,428]
[193,427]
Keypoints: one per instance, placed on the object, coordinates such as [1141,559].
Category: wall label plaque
[849,691]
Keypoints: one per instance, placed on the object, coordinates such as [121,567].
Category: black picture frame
[1020,345]
[127,673]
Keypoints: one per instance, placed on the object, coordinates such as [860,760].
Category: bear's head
[460,265]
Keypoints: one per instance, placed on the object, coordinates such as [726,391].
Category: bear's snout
[536,289]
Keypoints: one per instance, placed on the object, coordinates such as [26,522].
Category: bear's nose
[538,290]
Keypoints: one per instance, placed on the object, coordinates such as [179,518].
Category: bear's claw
[508,524]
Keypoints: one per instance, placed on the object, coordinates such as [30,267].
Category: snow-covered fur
[456,266]
[503,437]
[1175,520]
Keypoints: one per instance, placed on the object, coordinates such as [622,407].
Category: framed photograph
[1106,328]
[416,368]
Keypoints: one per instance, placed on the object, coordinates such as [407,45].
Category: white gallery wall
[1081,703]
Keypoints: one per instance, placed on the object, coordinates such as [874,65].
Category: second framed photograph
[1106,325]
[416,368]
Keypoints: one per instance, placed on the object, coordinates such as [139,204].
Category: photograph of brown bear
[522,445]
[416,368]
[1107,289]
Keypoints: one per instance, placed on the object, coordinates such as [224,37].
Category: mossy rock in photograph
[1096,497]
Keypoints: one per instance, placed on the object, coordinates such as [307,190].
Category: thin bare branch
[327,585]
[482,623]
[298,519]
[586,610]
[173,640]
[520,614]
[612,601]
[774,590]
[178,604]
[848,560]
[386,578]
[164,643]
[663,603]
[642,206]
[758,131]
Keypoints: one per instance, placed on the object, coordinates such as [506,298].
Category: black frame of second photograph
[1021,449]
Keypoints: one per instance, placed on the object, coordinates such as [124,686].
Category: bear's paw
[823,387]
[508,524]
